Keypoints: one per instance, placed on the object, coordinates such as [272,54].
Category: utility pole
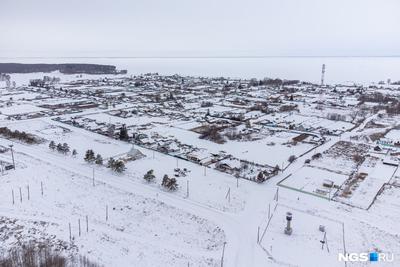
[223,254]
[70,234]
[12,155]
[187,189]
[228,195]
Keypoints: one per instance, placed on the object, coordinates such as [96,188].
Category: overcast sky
[199,28]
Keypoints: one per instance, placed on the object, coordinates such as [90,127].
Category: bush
[212,133]
[149,176]
[260,177]
[99,159]
[316,156]
[41,255]
[292,158]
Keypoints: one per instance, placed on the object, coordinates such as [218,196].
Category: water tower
[288,228]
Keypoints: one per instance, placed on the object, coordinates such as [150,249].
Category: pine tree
[89,156]
[169,183]
[99,160]
[65,148]
[149,176]
[59,147]
[123,133]
[74,152]
[276,169]
[260,177]
[119,166]
[110,163]
[52,145]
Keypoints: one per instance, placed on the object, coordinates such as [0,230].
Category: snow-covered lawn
[311,179]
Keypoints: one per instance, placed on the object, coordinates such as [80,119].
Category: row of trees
[90,157]
[22,136]
[115,165]
[62,148]
[169,183]
[42,254]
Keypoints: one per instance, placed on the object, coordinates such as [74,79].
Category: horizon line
[198,57]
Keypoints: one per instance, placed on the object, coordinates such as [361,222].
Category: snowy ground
[212,219]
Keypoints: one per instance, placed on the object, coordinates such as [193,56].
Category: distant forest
[70,68]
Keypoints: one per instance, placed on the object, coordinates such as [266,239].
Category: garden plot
[284,249]
[139,231]
[343,157]
[76,138]
[361,189]
[314,181]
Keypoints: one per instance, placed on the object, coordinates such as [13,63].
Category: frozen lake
[338,69]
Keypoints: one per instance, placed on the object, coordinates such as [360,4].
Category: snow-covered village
[229,133]
[155,170]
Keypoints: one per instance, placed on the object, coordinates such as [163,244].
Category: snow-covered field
[139,230]
[213,218]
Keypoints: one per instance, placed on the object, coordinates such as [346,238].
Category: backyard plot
[361,189]
[314,181]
